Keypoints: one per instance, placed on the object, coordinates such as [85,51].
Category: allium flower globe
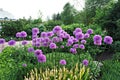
[81,46]
[86,35]
[30,49]
[83,41]
[52,46]
[85,62]
[62,62]
[2,41]
[24,42]
[76,46]
[23,34]
[79,35]
[57,29]
[73,50]
[43,34]
[18,34]
[35,30]
[24,65]
[108,39]
[38,52]
[89,31]
[11,42]
[41,58]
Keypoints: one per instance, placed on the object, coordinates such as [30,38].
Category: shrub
[111,70]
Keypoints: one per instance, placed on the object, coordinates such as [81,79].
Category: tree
[68,14]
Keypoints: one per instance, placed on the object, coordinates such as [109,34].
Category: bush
[116,56]
[111,70]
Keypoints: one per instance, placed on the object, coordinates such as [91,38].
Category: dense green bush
[111,70]
[50,24]
[116,56]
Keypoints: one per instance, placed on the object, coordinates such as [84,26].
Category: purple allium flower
[23,34]
[66,36]
[108,39]
[52,46]
[38,52]
[67,44]
[11,42]
[41,58]
[73,50]
[98,43]
[34,36]
[79,35]
[70,41]
[46,39]
[86,35]
[81,46]
[89,31]
[43,34]
[76,46]
[45,44]
[24,65]
[77,30]
[75,40]
[55,39]
[97,38]
[50,34]
[57,29]
[62,62]
[2,41]
[35,30]
[30,49]
[18,34]
[61,46]
[85,62]
[83,41]
[37,44]
[24,42]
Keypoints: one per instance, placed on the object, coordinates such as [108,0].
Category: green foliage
[116,56]
[68,13]
[50,24]
[116,46]
[12,59]
[60,74]
[111,70]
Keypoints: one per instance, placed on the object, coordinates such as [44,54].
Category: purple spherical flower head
[24,42]
[43,34]
[62,62]
[18,34]
[2,41]
[50,34]
[52,46]
[108,39]
[38,52]
[77,30]
[75,40]
[23,34]
[24,65]
[98,43]
[37,44]
[79,35]
[81,46]
[97,38]
[85,62]
[35,30]
[86,35]
[11,42]
[89,31]
[57,29]
[45,44]
[41,58]
[83,41]
[76,46]
[70,41]
[73,50]
[55,39]
[30,49]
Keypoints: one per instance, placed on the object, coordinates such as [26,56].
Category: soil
[104,56]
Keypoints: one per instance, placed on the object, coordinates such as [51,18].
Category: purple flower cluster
[108,40]
[40,56]
[21,34]
[30,49]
